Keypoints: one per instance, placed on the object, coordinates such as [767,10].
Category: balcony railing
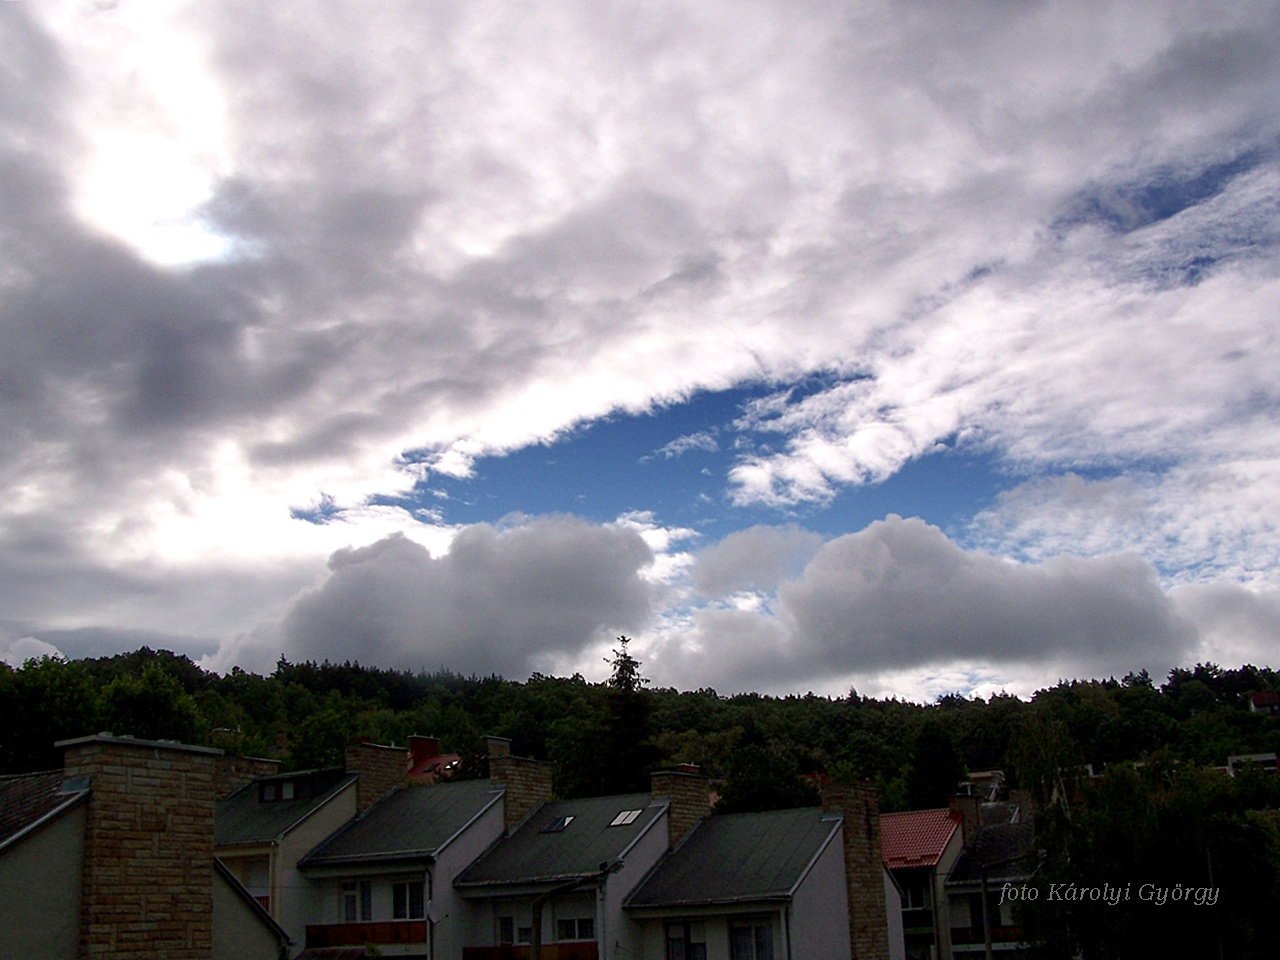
[355,934]
[582,950]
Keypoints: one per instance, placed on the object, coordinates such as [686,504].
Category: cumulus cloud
[900,595]
[255,257]
[758,558]
[531,597]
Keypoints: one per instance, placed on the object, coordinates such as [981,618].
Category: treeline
[605,736]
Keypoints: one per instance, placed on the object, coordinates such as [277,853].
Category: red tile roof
[916,838]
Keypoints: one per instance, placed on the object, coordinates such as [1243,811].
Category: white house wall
[819,909]
[893,916]
[239,932]
[289,885]
[617,933]
[41,877]
[456,916]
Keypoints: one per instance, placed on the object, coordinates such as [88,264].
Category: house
[1002,850]
[1266,702]
[1265,762]
[270,823]
[113,856]
[427,764]
[920,848]
[386,877]
[749,886]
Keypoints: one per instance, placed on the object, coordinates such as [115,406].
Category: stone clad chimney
[232,773]
[147,887]
[969,809]
[380,768]
[689,796]
[527,782]
[863,867]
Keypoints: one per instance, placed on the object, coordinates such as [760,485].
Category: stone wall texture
[527,782]
[690,800]
[148,868]
[863,867]
[232,773]
[380,768]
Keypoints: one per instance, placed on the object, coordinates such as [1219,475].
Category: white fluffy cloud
[251,255]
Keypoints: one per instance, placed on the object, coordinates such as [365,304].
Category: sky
[896,345]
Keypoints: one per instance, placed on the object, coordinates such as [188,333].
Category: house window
[506,930]
[686,941]
[624,818]
[751,940]
[557,824]
[583,928]
[524,934]
[407,901]
[286,790]
[354,893]
[268,792]
[349,902]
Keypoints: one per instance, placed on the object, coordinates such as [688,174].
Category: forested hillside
[603,736]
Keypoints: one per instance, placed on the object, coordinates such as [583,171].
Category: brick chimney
[689,796]
[380,768]
[232,773]
[863,867]
[422,748]
[147,887]
[969,807]
[527,782]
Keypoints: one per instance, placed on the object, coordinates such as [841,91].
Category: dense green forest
[1154,809]
[605,735]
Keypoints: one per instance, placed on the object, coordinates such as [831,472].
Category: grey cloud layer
[901,595]
[1050,229]
[513,600]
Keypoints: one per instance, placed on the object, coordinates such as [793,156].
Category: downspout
[786,928]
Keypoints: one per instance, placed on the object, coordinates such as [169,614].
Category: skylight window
[625,817]
[557,824]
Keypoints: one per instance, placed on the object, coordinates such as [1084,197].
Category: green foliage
[936,768]
[151,706]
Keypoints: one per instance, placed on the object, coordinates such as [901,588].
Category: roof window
[557,824]
[624,818]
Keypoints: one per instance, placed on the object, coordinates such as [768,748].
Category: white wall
[456,916]
[617,934]
[893,916]
[41,876]
[820,908]
[290,889]
[239,932]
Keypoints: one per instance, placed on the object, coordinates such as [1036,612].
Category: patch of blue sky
[674,463]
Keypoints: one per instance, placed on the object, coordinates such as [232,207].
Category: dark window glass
[399,901]
[587,928]
[506,930]
[366,900]
[417,906]
[349,903]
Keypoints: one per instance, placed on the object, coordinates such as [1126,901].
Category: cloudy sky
[909,345]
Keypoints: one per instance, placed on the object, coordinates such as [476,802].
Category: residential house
[427,764]
[386,878]
[920,848]
[1002,850]
[1266,702]
[113,856]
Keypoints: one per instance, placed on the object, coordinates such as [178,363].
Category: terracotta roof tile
[916,838]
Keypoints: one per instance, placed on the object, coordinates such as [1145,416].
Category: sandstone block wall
[863,867]
[381,768]
[147,887]
[689,796]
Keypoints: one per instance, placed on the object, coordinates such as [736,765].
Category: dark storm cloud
[500,600]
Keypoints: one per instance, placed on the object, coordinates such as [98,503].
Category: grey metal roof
[413,822]
[738,858]
[531,856]
[243,818]
[1008,849]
